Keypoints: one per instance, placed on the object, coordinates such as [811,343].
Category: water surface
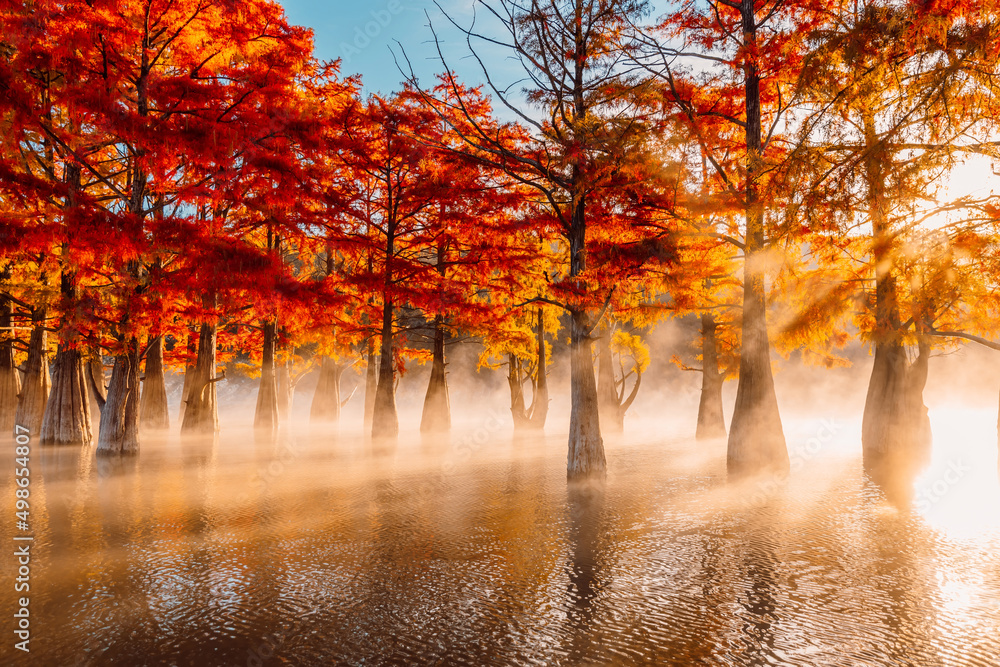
[312,548]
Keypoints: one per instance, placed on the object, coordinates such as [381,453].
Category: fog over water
[317,546]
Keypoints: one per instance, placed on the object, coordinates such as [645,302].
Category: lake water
[314,548]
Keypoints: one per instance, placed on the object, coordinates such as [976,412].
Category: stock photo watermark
[266,475]
[363,35]
[466,447]
[798,456]
[22,538]
[931,493]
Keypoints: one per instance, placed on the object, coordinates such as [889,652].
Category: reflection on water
[585,501]
[318,549]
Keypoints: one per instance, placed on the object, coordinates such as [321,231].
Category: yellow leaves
[627,344]
[418,355]
[242,368]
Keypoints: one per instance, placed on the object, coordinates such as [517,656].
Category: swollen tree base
[10,387]
[326,402]
[265,416]
[371,384]
[436,417]
[35,385]
[201,410]
[119,429]
[385,421]
[895,427]
[515,381]
[285,389]
[153,412]
[10,377]
[188,374]
[756,439]
[711,423]
[66,420]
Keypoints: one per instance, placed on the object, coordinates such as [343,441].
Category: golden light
[972,177]
[958,492]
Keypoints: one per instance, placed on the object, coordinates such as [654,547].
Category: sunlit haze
[500,332]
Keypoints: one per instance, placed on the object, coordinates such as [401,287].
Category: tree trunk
[711,423]
[624,403]
[326,401]
[586,447]
[119,430]
[895,429]
[10,378]
[607,393]
[436,417]
[97,384]
[201,412]
[266,415]
[188,374]
[895,424]
[371,384]
[883,424]
[66,419]
[540,398]
[67,412]
[153,412]
[515,380]
[285,388]
[385,422]
[36,383]
[585,456]
[920,419]
[756,439]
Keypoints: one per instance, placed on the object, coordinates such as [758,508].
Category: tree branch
[961,334]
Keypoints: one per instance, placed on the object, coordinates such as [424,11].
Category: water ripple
[307,550]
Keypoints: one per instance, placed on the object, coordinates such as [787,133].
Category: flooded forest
[617,333]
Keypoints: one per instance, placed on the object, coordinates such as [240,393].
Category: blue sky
[362,32]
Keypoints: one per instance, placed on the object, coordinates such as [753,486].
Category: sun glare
[958,492]
[972,178]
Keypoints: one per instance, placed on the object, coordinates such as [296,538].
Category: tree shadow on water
[760,607]
[895,474]
[586,577]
